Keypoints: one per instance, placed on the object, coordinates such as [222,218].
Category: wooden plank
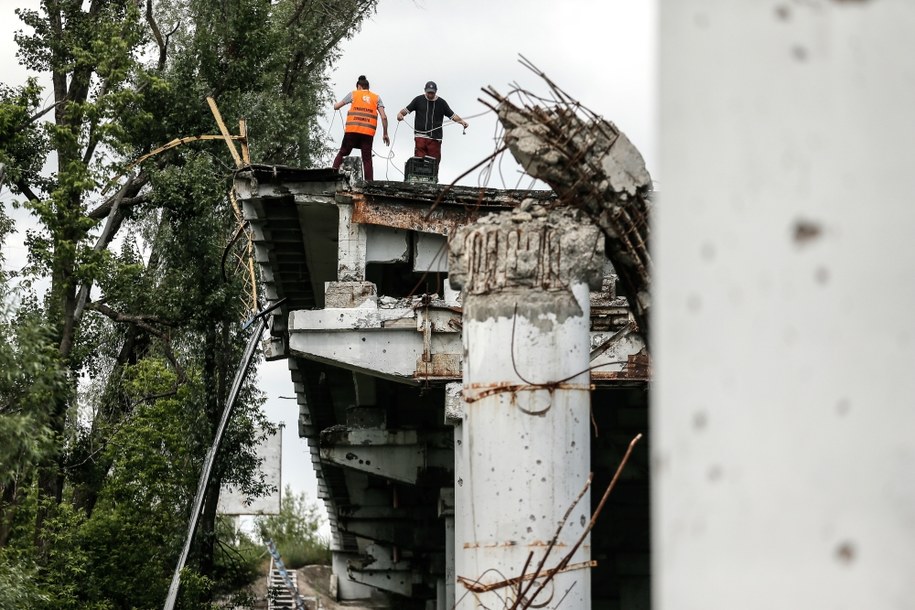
[225,132]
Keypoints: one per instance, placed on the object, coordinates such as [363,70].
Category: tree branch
[81,77]
[108,232]
[93,134]
[58,76]
[345,28]
[143,321]
[26,190]
[128,199]
[157,34]
[41,113]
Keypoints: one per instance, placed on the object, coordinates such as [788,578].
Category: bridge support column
[525,278]
[454,415]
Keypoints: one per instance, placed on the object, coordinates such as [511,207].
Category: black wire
[547,385]
[225,251]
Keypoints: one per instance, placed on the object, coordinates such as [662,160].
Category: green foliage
[239,558]
[19,587]
[112,379]
[295,531]
[66,566]
[116,542]
[187,195]
[25,143]
[29,378]
[155,459]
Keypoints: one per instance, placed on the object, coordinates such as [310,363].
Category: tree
[295,531]
[138,333]
[28,378]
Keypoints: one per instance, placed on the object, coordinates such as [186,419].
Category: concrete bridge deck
[372,332]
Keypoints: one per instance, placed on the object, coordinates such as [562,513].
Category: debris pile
[592,166]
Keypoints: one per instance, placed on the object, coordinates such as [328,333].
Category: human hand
[386,139]
[399,117]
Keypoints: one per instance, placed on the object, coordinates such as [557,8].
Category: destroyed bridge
[458,401]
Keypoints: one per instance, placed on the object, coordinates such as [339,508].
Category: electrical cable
[390,156]
[332,117]
[485,175]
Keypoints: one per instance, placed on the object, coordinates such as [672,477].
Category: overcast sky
[602,52]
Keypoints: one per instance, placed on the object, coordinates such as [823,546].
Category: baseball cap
[431,86]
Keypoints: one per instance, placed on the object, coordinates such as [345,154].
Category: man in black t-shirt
[430,110]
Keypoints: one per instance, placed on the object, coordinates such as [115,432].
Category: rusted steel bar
[475,587]
[489,389]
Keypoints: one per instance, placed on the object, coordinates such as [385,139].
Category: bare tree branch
[26,190]
[108,232]
[146,323]
[128,199]
[161,42]
[143,321]
[41,113]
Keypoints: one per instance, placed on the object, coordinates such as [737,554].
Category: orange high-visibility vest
[363,113]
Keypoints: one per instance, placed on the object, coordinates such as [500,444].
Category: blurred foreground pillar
[783,407]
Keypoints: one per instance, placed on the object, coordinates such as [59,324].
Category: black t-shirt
[429,116]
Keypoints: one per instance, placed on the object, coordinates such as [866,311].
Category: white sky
[602,52]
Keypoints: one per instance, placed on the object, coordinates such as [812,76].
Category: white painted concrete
[351,246]
[430,253]
[348,319]
[454,414]
[782,411]
[385,354]
[376,341]
[386,245]
[347,588]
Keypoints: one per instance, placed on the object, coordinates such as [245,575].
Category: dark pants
[364,143]
[427,147]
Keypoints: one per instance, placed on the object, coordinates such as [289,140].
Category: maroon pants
[364,143]
[427,147]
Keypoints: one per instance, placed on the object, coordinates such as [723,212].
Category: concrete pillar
[454,416]
[446,513]
[449,580]
[351,244]
[346,588]
[525,280]
[783,427]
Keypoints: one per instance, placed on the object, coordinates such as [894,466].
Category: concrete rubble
[594,167]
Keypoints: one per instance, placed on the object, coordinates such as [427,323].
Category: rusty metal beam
[637,368]
[413,216]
